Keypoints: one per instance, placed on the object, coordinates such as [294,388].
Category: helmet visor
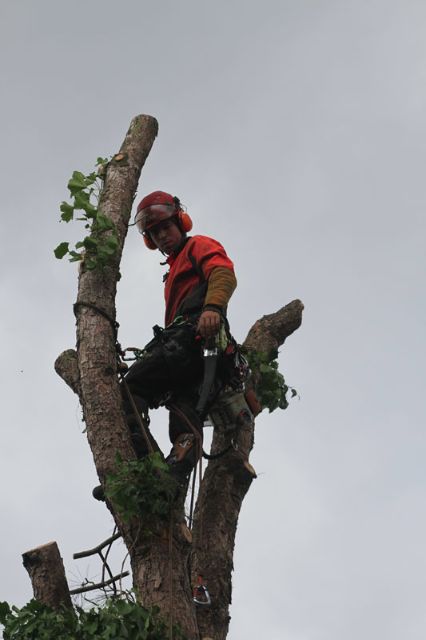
[147,218]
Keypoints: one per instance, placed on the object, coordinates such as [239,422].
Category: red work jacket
[183,278]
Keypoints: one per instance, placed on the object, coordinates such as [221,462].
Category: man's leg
[143,387]
[186,435]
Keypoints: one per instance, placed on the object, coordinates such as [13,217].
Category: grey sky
[295,134]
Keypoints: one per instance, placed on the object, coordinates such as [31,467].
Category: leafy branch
[101,243]
[115,620]
[270,386]
[142,486]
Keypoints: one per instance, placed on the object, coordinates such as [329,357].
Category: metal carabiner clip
[201,595]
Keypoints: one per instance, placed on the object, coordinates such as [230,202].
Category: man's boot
[183,456]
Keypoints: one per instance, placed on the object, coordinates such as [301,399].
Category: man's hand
[208,324]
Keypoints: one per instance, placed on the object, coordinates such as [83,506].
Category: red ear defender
[184,221]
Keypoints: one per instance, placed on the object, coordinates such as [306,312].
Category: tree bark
[225,484]
[46,570]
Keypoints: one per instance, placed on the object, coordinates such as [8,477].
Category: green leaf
[75,257]
[67,212]
[103,223]
[4,612]
[90,179]
[61,250]
[76,183]
[82,201]
[90,264]
[90,243]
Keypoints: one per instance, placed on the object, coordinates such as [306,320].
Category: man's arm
[221,285]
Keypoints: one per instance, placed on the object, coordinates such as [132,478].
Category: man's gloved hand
[208,324]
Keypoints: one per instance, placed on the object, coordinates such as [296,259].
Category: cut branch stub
[270,332]
[46,570]
[66,366]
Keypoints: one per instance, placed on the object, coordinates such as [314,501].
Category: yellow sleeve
[221,285]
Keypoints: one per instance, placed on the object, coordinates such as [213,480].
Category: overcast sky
[295,133]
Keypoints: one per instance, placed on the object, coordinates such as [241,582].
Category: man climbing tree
[198,286]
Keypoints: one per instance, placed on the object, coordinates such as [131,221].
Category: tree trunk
[226,482]
[99,391]
[46,570]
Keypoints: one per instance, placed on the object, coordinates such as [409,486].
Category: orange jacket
[183,278]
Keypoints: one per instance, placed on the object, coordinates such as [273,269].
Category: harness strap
[114,324]
[215,456]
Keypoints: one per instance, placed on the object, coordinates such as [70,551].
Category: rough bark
[66,366]
[46,570]
[225,484]
[271,331]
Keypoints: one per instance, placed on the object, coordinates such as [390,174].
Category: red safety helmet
[157,207]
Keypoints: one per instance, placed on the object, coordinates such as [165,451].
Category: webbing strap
[114,324]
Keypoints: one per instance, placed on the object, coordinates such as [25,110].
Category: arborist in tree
[172,370]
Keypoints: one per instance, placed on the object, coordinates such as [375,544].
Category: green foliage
[142,486]
[101,244]
[270,385]
[115,620]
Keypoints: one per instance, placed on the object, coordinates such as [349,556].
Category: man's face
[166,236]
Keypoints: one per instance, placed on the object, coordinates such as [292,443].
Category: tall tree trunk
[97,382]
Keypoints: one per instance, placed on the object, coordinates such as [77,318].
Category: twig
[92,552]
[99,585]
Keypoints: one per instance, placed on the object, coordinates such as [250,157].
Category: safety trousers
[169,373]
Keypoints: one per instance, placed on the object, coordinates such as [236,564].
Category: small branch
[92,552]
[99,585]
[67,368]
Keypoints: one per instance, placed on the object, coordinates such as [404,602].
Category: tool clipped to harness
[210,357]
[231,411]
[200,594]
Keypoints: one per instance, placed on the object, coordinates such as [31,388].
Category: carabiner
[200,593]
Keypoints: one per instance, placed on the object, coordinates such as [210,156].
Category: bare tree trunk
[225,484]
[46,570]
